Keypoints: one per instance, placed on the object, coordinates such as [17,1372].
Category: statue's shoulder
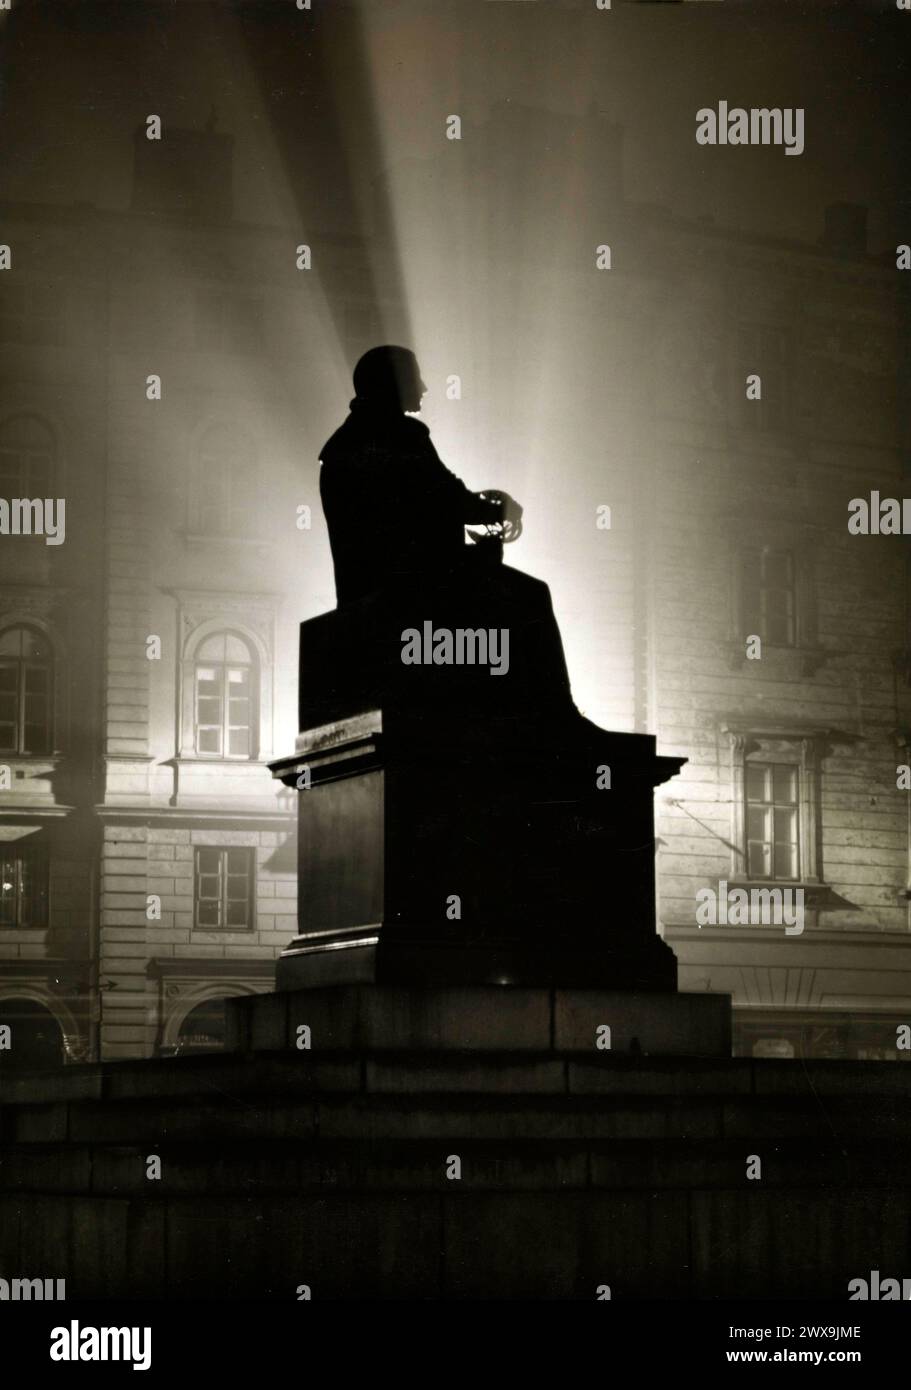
[415,427]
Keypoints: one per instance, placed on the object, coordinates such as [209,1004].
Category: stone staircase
[333,1166]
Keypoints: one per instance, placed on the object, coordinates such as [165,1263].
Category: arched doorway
[203,1029]
[36,1038]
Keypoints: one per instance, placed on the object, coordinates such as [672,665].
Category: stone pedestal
[451,835]
[474,1023]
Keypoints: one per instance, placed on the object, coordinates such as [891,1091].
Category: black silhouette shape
[392,506]
[454,774]
[396,517]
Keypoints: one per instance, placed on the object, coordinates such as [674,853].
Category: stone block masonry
[334,1165]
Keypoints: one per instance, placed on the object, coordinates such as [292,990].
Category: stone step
[410,1072]
[260,1167]
[373,1117]
[749,1242]
[329,1169]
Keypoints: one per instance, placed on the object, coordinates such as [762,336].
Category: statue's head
[390,377]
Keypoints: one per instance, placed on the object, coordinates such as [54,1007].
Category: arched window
[26,689]
[27,453]
[203,1029]
[227,498]
[35,1035]
[225,688]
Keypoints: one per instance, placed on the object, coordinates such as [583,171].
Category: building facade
[695,407]
[171,374]
[159,376]
[796,744]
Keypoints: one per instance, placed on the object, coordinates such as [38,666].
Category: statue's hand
[510,513]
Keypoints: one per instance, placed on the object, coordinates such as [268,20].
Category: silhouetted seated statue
[435,620]
[459,822]
[393,508]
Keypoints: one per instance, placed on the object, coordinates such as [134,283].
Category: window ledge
[217,760]
[742,882]
[214,936]
[815,892]
[9,757]
[807,660]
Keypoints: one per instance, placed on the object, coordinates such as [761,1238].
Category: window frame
[225,727]
[21,665]
[37,460]
[221,454]
[797,749]
[250,616]
[223,875]
[775,810]
[804,655]
[770,416]
[21,852]
[762,553]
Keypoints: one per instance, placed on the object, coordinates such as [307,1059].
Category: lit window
[26,672]
[772,820]
[23,885]
[223,889]
[224,697]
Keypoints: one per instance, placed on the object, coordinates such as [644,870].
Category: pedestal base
[364,956]
[431,855]
[345,1019]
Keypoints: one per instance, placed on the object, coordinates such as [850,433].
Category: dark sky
[320,102]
